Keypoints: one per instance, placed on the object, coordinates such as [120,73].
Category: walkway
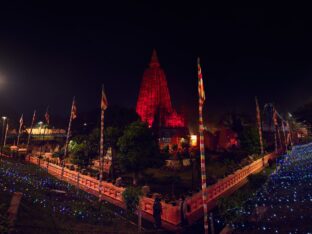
[283,204]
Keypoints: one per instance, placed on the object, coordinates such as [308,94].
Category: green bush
[138,150]
[58,154]
[131,196]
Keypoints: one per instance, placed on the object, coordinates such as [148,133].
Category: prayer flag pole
[201,94]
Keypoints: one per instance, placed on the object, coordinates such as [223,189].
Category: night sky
[51,52]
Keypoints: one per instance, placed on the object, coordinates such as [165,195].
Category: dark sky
[50,52]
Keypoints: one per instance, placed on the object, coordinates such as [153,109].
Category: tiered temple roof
[154,98]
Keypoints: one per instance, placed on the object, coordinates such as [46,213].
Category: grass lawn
[43,211]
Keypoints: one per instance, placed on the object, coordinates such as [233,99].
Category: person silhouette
[157,211]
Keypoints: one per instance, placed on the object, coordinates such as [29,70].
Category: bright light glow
[193,140]
[4,117]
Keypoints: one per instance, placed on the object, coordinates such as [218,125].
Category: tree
[249,140]
[112,134]
[138,149]
[131,196]
[79,154]
[92,142]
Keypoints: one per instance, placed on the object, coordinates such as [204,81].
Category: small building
[222,139]
[226,139]
[172,136]
[45,131]
[210,140]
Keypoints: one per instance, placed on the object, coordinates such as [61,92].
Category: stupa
[154,102]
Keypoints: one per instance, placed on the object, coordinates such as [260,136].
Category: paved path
[284,203]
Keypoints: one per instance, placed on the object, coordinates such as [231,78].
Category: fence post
[62,172]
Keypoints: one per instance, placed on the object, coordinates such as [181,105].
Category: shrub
[131,196]
[58,154]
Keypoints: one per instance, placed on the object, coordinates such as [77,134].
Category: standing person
[157,211]
[183,210]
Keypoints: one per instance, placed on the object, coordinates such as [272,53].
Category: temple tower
[154,98]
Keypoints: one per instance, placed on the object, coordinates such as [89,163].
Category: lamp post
[3,132]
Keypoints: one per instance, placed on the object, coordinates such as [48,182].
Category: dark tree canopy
[249,140]
[138,148]
[112,135]
[79,153]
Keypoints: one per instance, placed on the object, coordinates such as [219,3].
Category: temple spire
[154,60]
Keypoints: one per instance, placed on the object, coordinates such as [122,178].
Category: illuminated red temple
[154,103]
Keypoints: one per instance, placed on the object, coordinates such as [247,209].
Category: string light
[36,186]
[284,198]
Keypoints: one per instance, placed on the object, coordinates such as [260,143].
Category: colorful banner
[103,108]
[73,115]
[19,130]
[201,94]
[31,128]
[259,126]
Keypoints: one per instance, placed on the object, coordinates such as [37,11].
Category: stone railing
[171,213]
[224,187]
[110,191]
